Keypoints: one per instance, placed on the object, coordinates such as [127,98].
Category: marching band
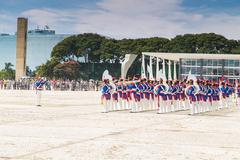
[140,94]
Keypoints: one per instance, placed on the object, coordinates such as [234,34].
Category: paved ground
[70,127]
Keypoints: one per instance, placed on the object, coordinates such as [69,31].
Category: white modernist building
[179,65]
[207,66]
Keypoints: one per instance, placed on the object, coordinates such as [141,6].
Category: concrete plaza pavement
[70,126]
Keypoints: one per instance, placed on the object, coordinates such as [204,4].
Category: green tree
[110,51]
[68,70]
[91,49]
[65,50]
[8,72]
[88,46]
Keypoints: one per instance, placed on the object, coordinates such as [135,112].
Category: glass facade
[39,48]
[211,69]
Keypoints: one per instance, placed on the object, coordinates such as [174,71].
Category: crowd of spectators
[53,85]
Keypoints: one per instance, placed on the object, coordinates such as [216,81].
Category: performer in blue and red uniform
[160,90]
[130,96]
[151,84]
[115,96]
[106,95]
[209,95]
[176,96]
[136,94]
[170,107]
[146,94]
[191,93]
[215,96]
[120,93]
[223,95]
[39,85]
[125,99]
[183,99]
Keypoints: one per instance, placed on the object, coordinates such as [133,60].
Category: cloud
[138,18]
[8,23]
[135,19]
[223,24]
[52,17]
[137,7]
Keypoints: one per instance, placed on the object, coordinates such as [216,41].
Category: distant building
[207,66]
[45,31]
[4,34]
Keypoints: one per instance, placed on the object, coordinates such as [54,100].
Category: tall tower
[22,27]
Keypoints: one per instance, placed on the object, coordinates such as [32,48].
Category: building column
[175,70]
[169,70]
[157,69]
[163,68]
[143,74]
[151,68]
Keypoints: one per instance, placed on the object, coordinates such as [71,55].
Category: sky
[126,18]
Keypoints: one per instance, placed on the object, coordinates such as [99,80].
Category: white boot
[160,109]
[106,106]
[164,106]
[192,108]
[38,97]
[134,107]
[115,105]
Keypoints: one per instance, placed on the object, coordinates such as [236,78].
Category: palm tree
[9,71]
[8,66]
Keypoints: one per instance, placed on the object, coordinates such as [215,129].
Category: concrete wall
[22,27]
